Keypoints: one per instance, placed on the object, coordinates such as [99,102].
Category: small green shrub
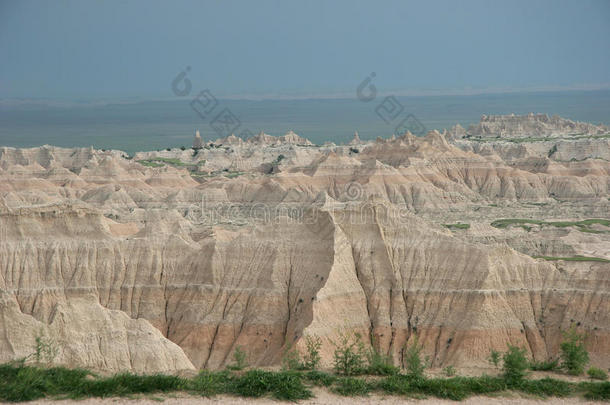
[311,359]
[45,349]
[379,363]
[597,373]
[414,363]
[239,359]
[449,371]
[382,365]
[574,356]
[350,386]
[548,365]
[349,354]
[291,360]
[515,365]
[494,357]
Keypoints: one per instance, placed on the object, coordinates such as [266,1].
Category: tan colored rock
[131,267]
[197,142]
[532,125]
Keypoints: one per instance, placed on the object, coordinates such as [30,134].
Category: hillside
[169,260]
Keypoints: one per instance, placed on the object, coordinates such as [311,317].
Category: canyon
[169,260]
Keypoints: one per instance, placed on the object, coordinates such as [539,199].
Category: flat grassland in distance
[583,226]
[457,226]
[574,259]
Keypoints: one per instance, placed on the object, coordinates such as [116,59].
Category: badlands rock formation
[170,260]
[532,125]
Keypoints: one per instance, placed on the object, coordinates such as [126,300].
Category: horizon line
[97,101]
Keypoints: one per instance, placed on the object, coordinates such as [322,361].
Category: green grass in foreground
[19,382]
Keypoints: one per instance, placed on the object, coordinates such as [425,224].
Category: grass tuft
[596,391]
[127,384]
[282,385]
[597,373]
[350,386]
[395,385]
[209,383]
[320,378]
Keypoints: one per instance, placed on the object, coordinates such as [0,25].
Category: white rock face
[292,138]
[531,125]
[89,335]
[197,142]
[129,265]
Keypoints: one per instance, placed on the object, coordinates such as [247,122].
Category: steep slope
[171,260]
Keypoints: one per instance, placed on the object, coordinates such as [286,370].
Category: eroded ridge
[170,260]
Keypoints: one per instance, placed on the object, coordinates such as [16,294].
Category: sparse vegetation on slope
[349,355]
[457,226]
[161,161]
[574,356]
[583,226]
[150,163]
[574,259]
[395,272]
[232,175]
[515,365]
[239,359]
[548,365]
[536,139]
[597,373]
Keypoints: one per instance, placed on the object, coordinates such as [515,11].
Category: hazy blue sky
[105,49]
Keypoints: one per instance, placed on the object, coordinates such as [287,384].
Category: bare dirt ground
[322,397]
